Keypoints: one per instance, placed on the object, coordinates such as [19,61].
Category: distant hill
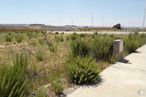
[36,27]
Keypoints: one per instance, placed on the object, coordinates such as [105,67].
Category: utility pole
[92,20]
[59,21]
[144,18]
[102,21]
[72,22]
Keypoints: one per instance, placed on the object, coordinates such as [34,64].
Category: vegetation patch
[60,60]
[82,70]
[13,79]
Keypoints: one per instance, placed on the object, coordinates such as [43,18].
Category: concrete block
[118,49]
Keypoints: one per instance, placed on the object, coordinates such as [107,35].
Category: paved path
[120,80]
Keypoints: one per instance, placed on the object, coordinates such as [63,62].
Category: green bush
[82,35]
[40,55]
[74,36]
[56,32]
[59,38]
[131,45]
[19,38]
[82,70]
[96,33]
[67,38]
[133,42]
[102,48]
[42,41]
[143,39]
[79,48]
[13,81]
[8,38]
[57,86]
[30,35]
[51,46]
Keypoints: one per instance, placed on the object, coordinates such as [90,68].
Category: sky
[73,12]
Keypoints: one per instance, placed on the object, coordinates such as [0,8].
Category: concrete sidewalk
[121,79]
